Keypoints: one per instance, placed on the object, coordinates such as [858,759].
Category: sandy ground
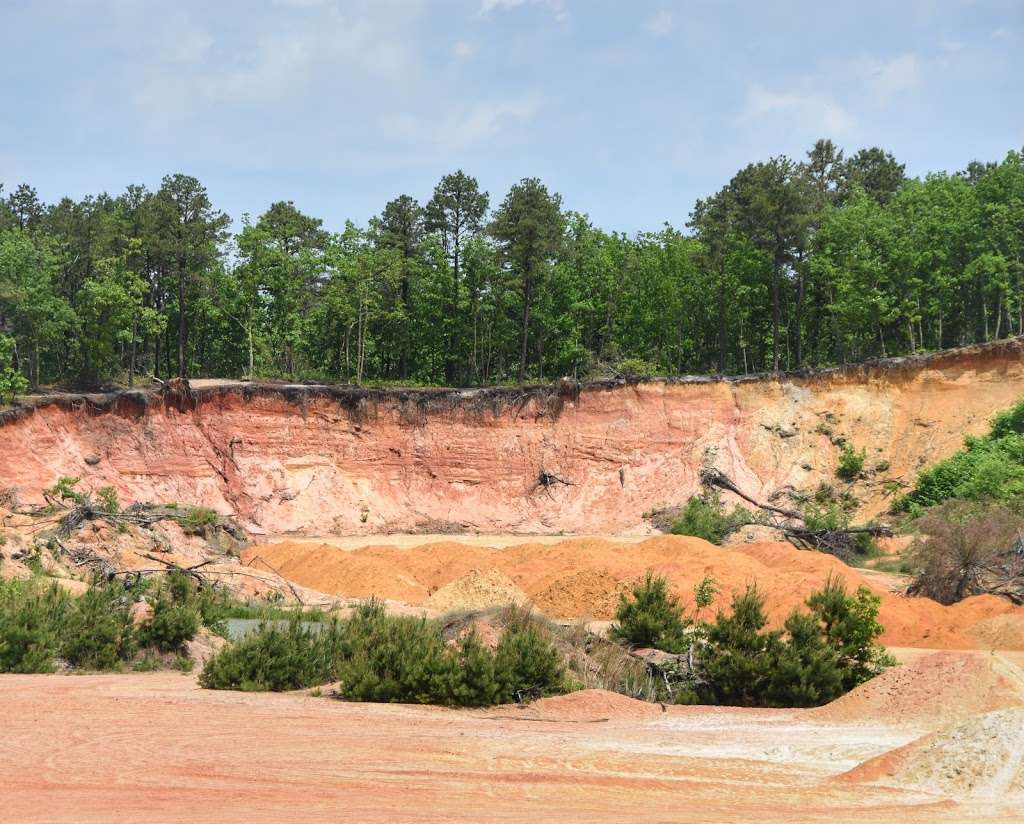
[154,747]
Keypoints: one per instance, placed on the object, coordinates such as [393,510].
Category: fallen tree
[839,541]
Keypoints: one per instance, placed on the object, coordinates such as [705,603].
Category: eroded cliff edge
[322,460]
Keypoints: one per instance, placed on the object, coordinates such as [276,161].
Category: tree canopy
[829,259]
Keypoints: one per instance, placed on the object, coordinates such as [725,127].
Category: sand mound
[477,590]
[582,577]
[943,686]
[581,594]
[590,705]
[982,756]
[1000,632]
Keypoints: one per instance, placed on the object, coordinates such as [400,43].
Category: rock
[92,460]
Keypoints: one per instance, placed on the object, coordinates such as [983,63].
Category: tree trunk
[182,325]
[722,331]
[775,317]
[527,289]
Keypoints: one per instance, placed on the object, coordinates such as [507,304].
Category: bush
[968,548]
[651,617]
[273,659]
[704,517]
[107,500]
[30,618]
[197,519]
[635,368]
[988,469]
[384,658]
[816,657]
[99,633]
[171,627]
[12,382]
[851,462]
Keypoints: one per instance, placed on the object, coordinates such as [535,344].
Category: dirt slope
[321,460]
[582,578]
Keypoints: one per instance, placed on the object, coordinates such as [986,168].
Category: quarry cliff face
[331,460]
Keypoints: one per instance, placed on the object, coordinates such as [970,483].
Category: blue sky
[631,110]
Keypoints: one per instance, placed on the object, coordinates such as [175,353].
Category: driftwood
[792,524]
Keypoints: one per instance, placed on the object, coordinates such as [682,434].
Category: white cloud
[556,6]
[819,111]
[660,24]
[1002,33]
[464,51]
[888,78]
[485,120]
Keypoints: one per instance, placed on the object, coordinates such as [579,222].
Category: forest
[827,260]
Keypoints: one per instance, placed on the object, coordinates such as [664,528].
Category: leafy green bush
[851,462]
[704,517]
[989,468]
[12,382]
[633,368]
[651,617]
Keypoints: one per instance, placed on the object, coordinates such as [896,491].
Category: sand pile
[476,590]
[982,756]
[586,705]
[943,686]
[589,592]
[582,577]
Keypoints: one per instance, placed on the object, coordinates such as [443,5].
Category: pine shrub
[650,617]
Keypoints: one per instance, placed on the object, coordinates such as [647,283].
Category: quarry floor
[155,747]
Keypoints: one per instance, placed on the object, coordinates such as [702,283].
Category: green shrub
[835,516]
[271,659]
[384,658]
[99,633]
[704,517]
[527,664]
[30,618]
[12,382]
[634,368]
[988,469]
[851,462]
[171,626]
[814,659]
[66,489]
[107,500]
[651,617]
[197,519]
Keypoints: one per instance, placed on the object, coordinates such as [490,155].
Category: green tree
[456,212]
[190,232]
[528,227]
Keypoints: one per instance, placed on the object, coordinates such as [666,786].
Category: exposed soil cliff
[321,460]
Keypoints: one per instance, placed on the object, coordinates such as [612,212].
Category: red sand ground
[582,577]
[154,747]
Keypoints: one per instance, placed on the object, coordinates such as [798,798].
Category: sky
[630,109]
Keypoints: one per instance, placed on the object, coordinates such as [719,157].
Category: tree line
[830,259]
